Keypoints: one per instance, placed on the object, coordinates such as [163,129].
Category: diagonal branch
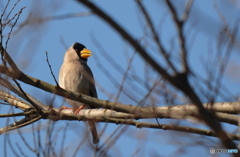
[19,124]
[128,38]
[25,96]
[14,67]
[14,101]
[180,80]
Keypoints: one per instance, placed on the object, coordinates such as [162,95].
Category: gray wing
[92,88]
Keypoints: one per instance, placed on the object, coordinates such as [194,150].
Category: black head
[78,48]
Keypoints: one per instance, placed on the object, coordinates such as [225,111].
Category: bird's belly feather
[75,80]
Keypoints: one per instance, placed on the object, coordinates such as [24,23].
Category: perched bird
[76,76]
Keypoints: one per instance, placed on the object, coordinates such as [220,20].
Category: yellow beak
[85,53]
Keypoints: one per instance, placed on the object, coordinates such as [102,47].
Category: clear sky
[28,46]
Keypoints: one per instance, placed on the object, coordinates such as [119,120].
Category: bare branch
[34,102]
[169,127]
[187,10]
[180,30]
[24,122]
[14,101]
[55,17]
[51,70]
[155,36]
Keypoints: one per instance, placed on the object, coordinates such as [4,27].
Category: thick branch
[175,112]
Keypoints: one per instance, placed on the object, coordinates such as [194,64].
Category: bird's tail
[93,131]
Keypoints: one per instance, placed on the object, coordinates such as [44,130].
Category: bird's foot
[75,110]
[78,109]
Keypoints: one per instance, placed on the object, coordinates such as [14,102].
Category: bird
[76,76]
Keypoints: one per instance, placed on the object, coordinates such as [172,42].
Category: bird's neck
[82,60]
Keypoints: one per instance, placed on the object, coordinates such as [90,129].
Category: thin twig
[155,36]
[15,22]
[11,11]
[21,123]
[51,70]
[187,10]
[63,140]
[5,8]
[16,114]
[55,17]
[138,124]
[180,30]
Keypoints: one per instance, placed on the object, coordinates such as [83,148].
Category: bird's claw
[75,110]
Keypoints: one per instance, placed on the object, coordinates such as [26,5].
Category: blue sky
[28,46]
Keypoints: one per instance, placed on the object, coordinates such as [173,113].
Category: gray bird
[76,76]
